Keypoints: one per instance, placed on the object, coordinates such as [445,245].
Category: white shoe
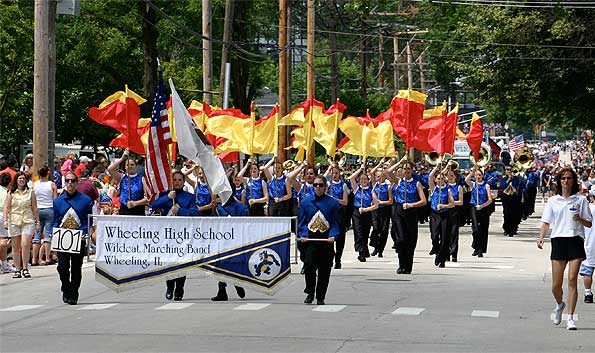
[570,324]
[7,268]
[558,313]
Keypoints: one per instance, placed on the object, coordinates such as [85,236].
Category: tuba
[433,158]
[523,158]
[484,156]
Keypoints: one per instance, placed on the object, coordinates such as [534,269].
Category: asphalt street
[499,303]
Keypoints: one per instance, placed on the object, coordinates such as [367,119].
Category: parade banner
[133,251]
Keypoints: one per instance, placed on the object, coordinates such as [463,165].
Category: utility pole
[332,39]
[52,85]
[380,62]
[310,62]
[207,54]
[362,69]
[225,52]
[409,68]
[41,72]
[283,110]
[396,63]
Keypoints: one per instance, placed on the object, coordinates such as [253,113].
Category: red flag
[121,111]
[475,135]
[157,170]
[122,140]
[408,109]
[450,130]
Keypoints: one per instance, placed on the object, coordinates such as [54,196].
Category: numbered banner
[67,240]
[245,251]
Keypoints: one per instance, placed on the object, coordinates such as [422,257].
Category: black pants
[511,208]
[529,202]
[466,209]
[340,243]
[439,230]
[405,230]
[362,223]
[135,211]
[280,209]
[256,209]
[454,230]
[70,271]
[176,285]
[319,261]
[380,227]
[222,287]
[481,225]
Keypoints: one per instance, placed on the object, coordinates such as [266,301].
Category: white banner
[67,240]
[247,251]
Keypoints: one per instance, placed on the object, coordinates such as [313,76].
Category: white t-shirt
[590,242]
[557,214]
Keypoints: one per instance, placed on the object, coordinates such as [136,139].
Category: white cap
[84,159]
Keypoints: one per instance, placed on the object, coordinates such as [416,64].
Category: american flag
[157,170]
[517,143]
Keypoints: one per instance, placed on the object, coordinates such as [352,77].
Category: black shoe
[320,302]
[400,271]
[436,262]
[337,266]
[241,292]
[64,298]
[380,254]
[442,265]
[479,255]
[361,258]
[178,296]
[510,235]
[169,294]
[589,298]
[374,253]
[406,272]
[309,299]
[220,297]
[394,247]
[475,253]
[454,259]
[72,301]
[302,271]
[433,252]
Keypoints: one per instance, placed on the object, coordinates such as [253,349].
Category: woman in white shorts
[22,220]
[568,213]
[4,239]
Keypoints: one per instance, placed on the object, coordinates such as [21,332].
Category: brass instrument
[289,164]
[484,156]
[402,161]
[523,158]
[451,165]
[433,158]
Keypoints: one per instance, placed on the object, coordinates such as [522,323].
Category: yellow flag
[326,125]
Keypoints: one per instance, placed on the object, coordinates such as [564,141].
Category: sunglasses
[70,180]
[319,185]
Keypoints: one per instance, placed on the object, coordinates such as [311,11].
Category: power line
[519,4]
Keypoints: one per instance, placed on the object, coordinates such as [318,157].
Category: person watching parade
[71,211]
[318,225]
[132,193]
[567,213]
[176,202]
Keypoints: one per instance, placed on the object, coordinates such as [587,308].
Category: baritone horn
[524,158]
[433,158]
[484,156]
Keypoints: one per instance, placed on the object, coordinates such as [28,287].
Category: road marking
[329,308]
[504,267]
[408,311]
[97,306]
[174,306]
[21,307]
[252,306]
[485,313]
[565,317]
[452,264]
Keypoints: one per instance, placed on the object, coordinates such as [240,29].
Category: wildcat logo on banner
[246,251]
